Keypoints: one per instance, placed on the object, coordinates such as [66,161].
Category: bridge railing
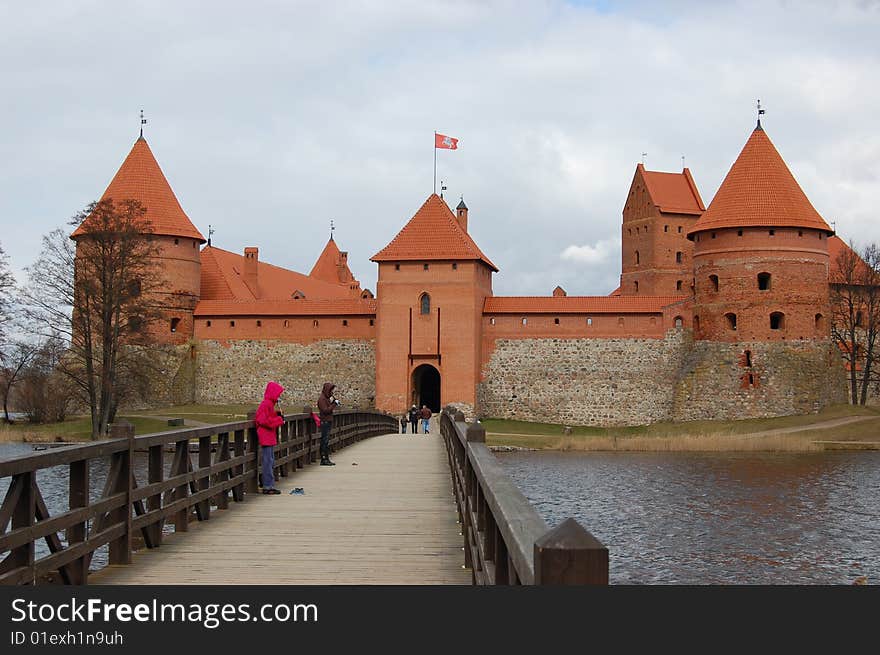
[129,510]
[505,540]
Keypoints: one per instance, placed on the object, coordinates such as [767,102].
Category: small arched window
[730,317]
[713,280]
[315,323]
[636,284]
[777,321]
[763,281]
[492,321]
[590,321]
[555,321]
[174,323]
[678,285]
[679,322]
[286,323]
[525,321]
[638,257]
[678,258]
[425,304]
[859,319]
[748,357]
[696,323]
[820,322]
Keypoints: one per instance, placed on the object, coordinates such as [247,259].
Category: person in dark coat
[425,415]
[414,419]
[326,404]
[403,421]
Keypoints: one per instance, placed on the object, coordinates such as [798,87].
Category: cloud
[599,253]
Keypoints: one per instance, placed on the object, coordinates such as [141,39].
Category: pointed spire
[140,178]
[461,204]
[143,122]
[759,191]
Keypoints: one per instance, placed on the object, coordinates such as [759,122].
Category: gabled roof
[330,267]
[673,193]
[222,279]
[759,191]
[579,304]
[305,307]
[140,178]
[432,233]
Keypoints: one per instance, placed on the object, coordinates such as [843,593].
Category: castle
[722,312]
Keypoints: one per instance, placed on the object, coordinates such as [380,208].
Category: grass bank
[836,427]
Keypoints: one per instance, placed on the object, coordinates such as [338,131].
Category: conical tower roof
[433,233]
[759,191]
[140,178]
[329,266]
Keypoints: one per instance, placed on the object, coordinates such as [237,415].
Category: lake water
[687,518]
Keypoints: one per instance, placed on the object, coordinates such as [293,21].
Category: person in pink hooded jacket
[268,419]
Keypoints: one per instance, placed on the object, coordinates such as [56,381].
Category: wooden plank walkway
[385,514]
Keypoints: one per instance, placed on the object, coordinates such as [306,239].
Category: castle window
[772,233]
[372,321]
[777,321]
[344,323]
[739,233]
[678,321]
[424,267]
[637,230]
[630,231]
[397,267]
[492,321]
[731,320]
[525,321]
[819,322]
[713,235]
[800,233]
[176,242]
[748,356]
[638,257]
[555,321]
[425,303]
[231,323]
[620,321]
[763,281]
[821,235]
[636,284]
[666,228]
[259,323]
[589,321]
[194,244]
[454,266]
[679,229]
[751,379]
[286,323]
[135,323]
[713,279]
[859,322]
[207,323]
[315,323]
[678,258]
[678,285]
[696,324]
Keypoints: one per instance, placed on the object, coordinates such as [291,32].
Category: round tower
[760,255]
[177,240]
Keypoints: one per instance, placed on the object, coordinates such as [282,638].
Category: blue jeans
[268,457]
[425,425]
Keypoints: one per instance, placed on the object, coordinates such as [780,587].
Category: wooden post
[253,471]
[155,473]
[120,549]
[238,471]
[569,555]
[23,515]
[204,506]
[78,569]
[310,431]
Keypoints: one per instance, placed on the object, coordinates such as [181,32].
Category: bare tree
[95,294]
[7,287]
[13,363]
[855,315]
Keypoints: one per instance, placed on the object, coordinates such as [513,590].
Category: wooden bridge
[397,509]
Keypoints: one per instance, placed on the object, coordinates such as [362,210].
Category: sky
[270,119]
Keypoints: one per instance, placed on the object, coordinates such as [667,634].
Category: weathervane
[332,227]
[644,154]
[210,232]
[143,122]
[442,187]
[760,113]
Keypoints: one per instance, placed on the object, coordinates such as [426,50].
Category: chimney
[251,258]
[461,214]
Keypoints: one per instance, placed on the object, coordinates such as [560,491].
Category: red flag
[443,141]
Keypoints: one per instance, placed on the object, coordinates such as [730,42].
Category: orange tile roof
[305,307]
[838,248]
[579,304]
[140,178]
[759,190]
[674,193]
[222,279]
[432,233]
[329,266]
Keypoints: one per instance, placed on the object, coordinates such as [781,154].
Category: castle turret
[760,255]
[178,289]
[433,281]
[332,266]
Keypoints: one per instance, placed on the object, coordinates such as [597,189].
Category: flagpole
[435,162]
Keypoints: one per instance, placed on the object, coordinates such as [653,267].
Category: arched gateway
[426,387]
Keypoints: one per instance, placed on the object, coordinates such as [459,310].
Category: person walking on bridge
[414,419]
[425,415]
[326,404]
[268,419]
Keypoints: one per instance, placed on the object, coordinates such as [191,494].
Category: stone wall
[237,371]
[798,377]
[598,382]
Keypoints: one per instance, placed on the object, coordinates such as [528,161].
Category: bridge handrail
[505,539]
[228,463]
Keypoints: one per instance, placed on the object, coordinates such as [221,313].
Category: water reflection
[740,518]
